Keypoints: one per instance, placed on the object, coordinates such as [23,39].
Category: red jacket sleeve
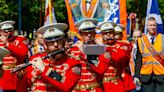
[68,82]
[120,57]
[23,84]
[19,51]
[101,66]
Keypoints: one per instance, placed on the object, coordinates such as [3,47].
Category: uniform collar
[149,37]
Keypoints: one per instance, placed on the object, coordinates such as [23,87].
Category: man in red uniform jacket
[18,51]
[118,58]
[88,80]
[57,72]
[118,30]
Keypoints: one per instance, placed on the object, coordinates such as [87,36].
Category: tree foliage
[3,9]
[161,6]
[33,14]
[60,11]
[140,7]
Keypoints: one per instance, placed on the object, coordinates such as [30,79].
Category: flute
[28,64]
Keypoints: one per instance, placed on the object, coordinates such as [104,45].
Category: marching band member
[88,80]
[18,51]
[58,72]
[117,58]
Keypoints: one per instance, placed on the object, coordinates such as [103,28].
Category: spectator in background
[149,65]
[136,34]
[38,46]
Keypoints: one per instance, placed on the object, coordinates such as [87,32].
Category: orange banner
[72,27]
[123,16]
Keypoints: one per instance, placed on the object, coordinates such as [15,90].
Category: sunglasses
[8,29]
[92,33]
[58,41]
[109,32]
[55,38]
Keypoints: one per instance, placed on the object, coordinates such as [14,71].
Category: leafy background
[33,11]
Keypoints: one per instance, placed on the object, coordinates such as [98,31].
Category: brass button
[82,87]
[87,86]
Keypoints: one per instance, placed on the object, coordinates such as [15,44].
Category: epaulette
[75,55]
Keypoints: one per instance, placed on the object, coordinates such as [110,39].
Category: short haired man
[136,34]
[149,67]
[38,45]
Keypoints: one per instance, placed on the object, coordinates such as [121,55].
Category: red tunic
[114,79]
[42,82]
[1,46]
[128,79]
[18,50]
[88,80]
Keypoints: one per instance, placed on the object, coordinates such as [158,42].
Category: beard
[110,42]
[89,41]
[58,56]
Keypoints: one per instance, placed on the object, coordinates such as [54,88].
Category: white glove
[107,55]
[137,83]
[38,62]
[136,80]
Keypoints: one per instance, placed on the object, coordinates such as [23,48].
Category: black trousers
[9,91]
[155,84]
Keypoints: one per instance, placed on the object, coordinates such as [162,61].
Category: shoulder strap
[140,45]
[146,42]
